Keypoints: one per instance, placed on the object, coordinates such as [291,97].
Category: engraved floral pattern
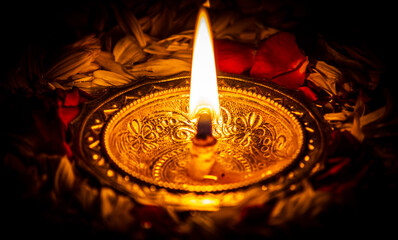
[152,143]
[248,131]
[150,133]
[141,136]
[251,131]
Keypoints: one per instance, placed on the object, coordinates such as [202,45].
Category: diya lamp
[203,101]
[199,142]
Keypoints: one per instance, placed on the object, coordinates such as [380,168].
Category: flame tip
[204,89]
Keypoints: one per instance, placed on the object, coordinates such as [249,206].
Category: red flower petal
[342,161]
[72,98]
[67,114]
[308,93]
[69,152]
[293,79]
[233,57]
[277,55]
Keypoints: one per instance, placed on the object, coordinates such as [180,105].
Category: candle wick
[203,151]
[204,128]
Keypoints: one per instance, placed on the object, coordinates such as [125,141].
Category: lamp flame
[204,90]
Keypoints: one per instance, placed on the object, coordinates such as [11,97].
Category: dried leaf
[94,91]
[305,204]
[236,28]
[364,122]
[113,78]
[242,28]
[356,64]
[108,200]
[186,17]
[106,60]
[326,76]
[99,82]
[221,21]
[87,42]
[248,36]
[176,42]
[54,85]
[360,120]
[185,55]
[161,22]
[88,68]
[339,57]
[78,58]
[110,37]
[116,209]
[339,116]
[356,129]
[364,56]
[64,176]
[87,196]
[183,36]
[121,218]
[373,116]
[128,51]
[129,23]
[145,23]
[157,49]
[358,76]
[78,78]
[160,67]
[84,84]
[177,46]
[74,63]
[267,32]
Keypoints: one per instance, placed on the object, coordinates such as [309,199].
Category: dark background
[53,24]
[59,22]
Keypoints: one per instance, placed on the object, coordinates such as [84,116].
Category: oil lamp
[199,142]
[203,101]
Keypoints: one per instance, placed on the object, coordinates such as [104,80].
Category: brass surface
[150,139]
[137,139]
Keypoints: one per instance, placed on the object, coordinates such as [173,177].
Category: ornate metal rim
[88,149]
[178,93]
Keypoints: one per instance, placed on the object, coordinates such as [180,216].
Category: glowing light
[204,91]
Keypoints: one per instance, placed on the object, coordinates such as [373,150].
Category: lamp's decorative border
[88,148]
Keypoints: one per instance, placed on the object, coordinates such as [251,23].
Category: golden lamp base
[138,139]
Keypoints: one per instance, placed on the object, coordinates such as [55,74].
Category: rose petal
[71,98]
[293,79]
[67,114]
[308,93]
[233,57]
[277,55]
[69,104]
